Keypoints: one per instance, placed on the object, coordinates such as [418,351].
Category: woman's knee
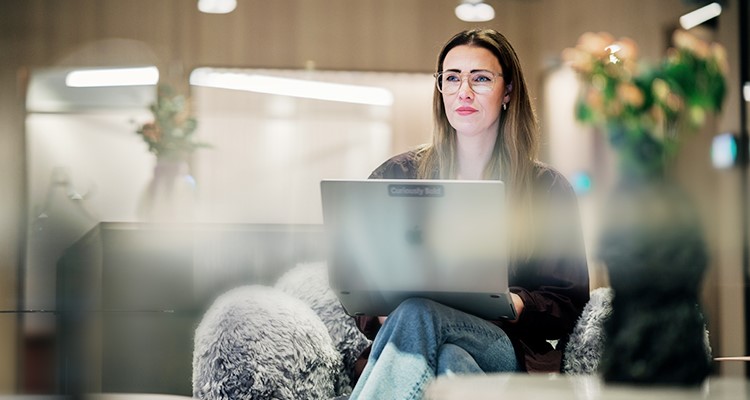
[415,306]
[414,312]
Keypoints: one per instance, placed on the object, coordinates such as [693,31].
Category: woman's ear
[508,89]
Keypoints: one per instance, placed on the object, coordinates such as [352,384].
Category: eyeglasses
[449,82]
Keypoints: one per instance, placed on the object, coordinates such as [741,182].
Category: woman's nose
[464,91]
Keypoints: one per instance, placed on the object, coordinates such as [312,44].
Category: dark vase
[653,246]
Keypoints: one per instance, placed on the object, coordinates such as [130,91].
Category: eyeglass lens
[479,81]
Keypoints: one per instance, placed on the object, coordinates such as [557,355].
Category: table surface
[561,387]
[99,396]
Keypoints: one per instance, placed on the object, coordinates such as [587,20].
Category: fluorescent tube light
[217,6]
[699,16]
[746,91]
[140,76]
[318,90]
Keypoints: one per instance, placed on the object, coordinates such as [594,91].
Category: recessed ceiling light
[217,6]
[475,11]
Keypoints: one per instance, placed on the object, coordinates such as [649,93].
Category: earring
[505,106]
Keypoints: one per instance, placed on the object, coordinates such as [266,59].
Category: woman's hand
[518,304]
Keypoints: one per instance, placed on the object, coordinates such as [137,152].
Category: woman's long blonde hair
[517,144]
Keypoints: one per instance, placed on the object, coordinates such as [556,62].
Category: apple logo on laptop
[414,236]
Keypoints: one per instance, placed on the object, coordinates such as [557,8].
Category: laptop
[389,240]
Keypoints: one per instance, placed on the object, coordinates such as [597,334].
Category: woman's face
[470,113]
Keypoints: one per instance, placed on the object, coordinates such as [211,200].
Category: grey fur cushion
[584,348]
[257,342]
[309,283]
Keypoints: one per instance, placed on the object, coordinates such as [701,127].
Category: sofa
[293,340]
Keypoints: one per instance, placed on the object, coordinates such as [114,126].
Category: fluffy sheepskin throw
[309,283]
[258,342]
[584,348]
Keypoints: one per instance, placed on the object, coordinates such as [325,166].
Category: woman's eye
[482,79]
[451,78]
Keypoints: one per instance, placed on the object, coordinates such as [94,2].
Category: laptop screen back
[416,236]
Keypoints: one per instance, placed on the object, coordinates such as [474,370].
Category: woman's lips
[466,110]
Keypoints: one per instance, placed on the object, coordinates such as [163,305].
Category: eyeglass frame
[467,74]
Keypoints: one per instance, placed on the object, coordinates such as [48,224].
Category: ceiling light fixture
[217,6]
[699,16]
[475,11]
[138,76]
[308,89]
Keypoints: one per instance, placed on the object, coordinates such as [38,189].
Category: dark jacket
[553,283]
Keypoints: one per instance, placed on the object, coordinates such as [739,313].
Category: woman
[485,128]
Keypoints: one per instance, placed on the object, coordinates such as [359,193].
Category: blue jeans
[422,339]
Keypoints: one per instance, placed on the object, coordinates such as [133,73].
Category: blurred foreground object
[645,108]
[543,386]
[653,246]
[651,238]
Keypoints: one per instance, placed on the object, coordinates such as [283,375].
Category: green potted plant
[644,109]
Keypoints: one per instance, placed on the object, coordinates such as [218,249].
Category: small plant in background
[171,133]
[645,107]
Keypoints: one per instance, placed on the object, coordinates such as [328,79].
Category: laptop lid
[394,239]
